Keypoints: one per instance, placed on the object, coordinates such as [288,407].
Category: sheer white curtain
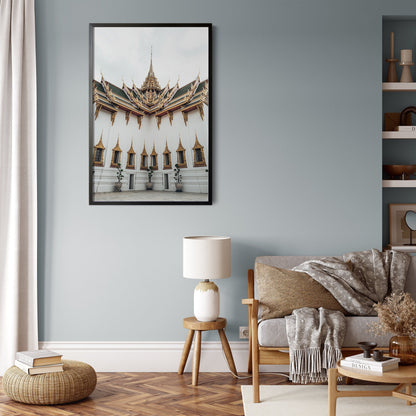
[18,196]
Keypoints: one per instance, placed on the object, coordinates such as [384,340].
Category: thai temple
[153,127]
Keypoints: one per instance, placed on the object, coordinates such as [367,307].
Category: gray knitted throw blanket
[315,339]
[362,279]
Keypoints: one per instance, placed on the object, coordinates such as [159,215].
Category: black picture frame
[182,110]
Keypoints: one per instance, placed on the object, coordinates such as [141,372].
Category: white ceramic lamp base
[206,301]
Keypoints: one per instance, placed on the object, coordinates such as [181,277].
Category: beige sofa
[268,340]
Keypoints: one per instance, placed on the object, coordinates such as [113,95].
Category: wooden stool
[194,325]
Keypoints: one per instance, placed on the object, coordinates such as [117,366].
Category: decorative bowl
[367,347]
[403,171]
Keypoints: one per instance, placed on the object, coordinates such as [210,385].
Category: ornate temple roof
[150,99]
[150,83]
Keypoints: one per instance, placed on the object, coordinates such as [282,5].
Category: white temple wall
[193,179]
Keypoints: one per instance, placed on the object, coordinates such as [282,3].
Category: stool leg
[197,356]
[227,351]
[185,351]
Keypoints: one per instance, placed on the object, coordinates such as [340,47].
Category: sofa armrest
[253,307]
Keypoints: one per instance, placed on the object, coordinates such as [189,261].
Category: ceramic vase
[206,301]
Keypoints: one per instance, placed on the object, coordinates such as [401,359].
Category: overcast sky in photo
[123,53]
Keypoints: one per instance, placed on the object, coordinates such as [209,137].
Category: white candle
[406,56]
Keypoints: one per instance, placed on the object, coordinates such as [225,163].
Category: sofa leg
[255,353]
[255,376]
[250,361]
[256,387]
[332,391]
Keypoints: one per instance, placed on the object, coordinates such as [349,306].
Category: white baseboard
[152,356]
[148,356]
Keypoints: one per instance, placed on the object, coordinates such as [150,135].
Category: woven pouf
[76,382]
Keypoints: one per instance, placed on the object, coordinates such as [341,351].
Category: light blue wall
[297,115]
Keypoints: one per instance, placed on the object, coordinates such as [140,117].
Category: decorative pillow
[280,291]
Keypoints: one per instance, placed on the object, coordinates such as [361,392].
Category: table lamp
[206,257]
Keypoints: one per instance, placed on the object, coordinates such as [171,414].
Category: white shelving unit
[397,183]
[396,96]
[392,135]
[399,86]
[399,135]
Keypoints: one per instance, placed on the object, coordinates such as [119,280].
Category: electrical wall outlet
[243,332]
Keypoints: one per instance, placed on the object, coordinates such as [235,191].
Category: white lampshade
[206,257]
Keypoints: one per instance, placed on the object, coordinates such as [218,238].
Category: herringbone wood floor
[151,394]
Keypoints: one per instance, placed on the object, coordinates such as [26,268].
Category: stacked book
[39,362]
[358,362]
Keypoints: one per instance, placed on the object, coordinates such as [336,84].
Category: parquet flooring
[150,394]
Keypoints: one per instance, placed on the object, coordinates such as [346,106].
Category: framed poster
[150,114]
[399,231]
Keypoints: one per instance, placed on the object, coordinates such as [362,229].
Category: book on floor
[385,362]
[43,369]
[39,357]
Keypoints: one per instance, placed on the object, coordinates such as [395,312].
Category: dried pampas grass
[396,314]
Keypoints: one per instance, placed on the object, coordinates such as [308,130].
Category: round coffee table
[404,376]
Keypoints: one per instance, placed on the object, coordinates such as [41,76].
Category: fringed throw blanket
[362,279]
[315,339]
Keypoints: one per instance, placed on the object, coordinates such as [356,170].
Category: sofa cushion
[272,332]
[280,291]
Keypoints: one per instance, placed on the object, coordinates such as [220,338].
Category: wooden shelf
[397,183]
[399,86]
[391,135]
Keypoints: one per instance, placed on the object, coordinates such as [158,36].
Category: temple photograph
[149,115]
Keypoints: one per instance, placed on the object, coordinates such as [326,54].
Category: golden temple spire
[151,60]
[131,150]
[166,147]
[150,83]
[100,143]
